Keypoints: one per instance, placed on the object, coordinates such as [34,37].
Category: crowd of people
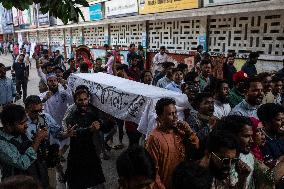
[231,134]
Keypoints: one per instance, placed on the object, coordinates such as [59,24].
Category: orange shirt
[167,151]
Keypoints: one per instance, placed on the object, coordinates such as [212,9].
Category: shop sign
[154,6]
[116,8]
[95,12]
[224,2]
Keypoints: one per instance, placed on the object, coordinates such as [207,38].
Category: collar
[175,85]
[6,135]
[248,106]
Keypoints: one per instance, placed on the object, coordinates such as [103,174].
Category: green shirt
[235,97]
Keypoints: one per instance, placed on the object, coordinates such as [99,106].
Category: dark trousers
[22,84]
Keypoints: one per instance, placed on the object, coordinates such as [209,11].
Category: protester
[83,163]
[206,77]
[251,172]
[59,59]
[183,67]
[175,85]
[21,73]
[221,155]
[147,77]
[277,87]
[249,67]
[266,81]
[134,71]
[272,117]
[56,99]
[84,68]
[253,98]
[131,53]
[18,155]
[8,89]
[167,143]
[159,59]
[166,75]
[97,67]
[229,69]
[237,93]
[136,169]
[16,51]
[201,119]
[221,105]
[193,77]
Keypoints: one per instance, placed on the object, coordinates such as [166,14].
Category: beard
[53,89]
[217,172]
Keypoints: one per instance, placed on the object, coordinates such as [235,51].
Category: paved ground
[108,165]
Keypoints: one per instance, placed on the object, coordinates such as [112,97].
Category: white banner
[120,8]
[125,99]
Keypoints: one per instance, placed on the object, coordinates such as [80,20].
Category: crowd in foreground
[231,134]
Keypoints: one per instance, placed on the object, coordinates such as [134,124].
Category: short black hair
[199,47]
[253,55]
[11,114]
[135,162]
[182,66]
[190,76]
[233,123]
[58,68]
[177,70]
[166,65]
[251,80]
[276,79]
[191,175]
[45,51]
[205,62]
[32,99]
[162,48]
[20,181]
[122,67]
[162,103]
[143,74]
[84,67]
[263,75]
[199,97]
[106,46]
[267,112]
[98,59]
[218,85]
[132,45]
[219,139]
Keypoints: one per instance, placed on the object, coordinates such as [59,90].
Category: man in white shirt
[221,105]
[159,59]
[56,99]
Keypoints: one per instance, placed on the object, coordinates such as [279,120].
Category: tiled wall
[178,36]
[124,34]
[263,32]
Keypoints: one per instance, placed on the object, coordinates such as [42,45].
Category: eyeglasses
[227,161]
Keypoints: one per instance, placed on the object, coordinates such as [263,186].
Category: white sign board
[116,8]
[125,99]
[224,2]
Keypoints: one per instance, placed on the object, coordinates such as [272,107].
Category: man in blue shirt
[249,67]
[17,154]
[8,89]
[175,85]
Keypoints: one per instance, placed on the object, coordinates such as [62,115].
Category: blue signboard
[96,12]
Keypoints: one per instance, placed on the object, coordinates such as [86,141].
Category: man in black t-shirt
[21,75]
